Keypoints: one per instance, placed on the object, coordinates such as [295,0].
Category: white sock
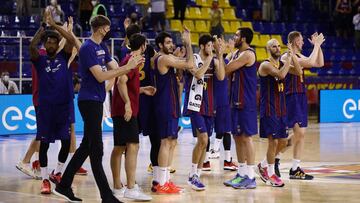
[242,169]
[264,163]
[193,169]
[227,155]
[278,156]
[58,168]
[198,172]
[271,169]
[44,173]
[295,164]
[155,173]
[206,157]
[162,175]
[251,171]
[168,174]
[217,144]
[36,156]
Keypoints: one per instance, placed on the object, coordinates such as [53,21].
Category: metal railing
[5,39]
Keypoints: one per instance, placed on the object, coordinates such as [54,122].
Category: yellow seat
[261,54]
[205,13]
[194,38]
[144,2]
[170,12]
[255,41]
[229,14]
[175,25]
[247,24]
[235,25]
[263,40]
[194,13]
[226,26]
[201,26]
[170,3]
[204,3]
[224,4]
[190,25]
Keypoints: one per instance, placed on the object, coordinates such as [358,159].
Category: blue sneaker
[195,183]
[238,178]
[245,183]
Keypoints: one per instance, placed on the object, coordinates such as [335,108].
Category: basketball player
[243,103]
[55,97]
[167,109]
[94,59]
[201,110]
[273,125]
[296,99]
[125,108]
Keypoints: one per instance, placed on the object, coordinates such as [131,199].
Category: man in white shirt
[6,85]
[356,22]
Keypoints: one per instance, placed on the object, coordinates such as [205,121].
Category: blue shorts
[244,122]
[204,124]
[275,126]
[167,128]
[297,110]
[223,119]
[54,122]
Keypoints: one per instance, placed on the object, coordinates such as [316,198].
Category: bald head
[274,49]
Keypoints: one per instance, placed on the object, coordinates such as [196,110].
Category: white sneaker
[214,154]
[25,168]
[136,194]
[119,192]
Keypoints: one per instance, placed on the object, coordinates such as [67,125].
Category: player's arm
[312,60]
[70,40]
[148,90]
[34,51]
[110,84]
[243,59]
[78,43]
[267,69]
[115,71]
[219,61]
[123,91]
[200,72]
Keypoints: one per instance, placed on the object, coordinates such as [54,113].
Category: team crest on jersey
[100,52]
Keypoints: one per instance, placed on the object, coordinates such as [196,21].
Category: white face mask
[93,3]
[6,78]
[53,2]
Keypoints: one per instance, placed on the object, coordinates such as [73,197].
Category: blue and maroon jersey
[295,84]
[221,92]
[243,86]
[272,96]
[207,102]
[166,99]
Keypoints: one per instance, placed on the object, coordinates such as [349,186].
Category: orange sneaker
[45,187]
[175,187]
[81,171]
[55,178]
[166,189]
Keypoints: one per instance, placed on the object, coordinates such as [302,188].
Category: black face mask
[107,36]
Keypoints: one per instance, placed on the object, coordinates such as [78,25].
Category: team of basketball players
[220,92]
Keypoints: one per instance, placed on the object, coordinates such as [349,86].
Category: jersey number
[142,72]
[280,87]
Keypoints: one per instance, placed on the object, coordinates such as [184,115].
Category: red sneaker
[36,165]
[46,187]
[206,166]
[55,178]
[229,165]
[165,189]
[175,187]
[81,171]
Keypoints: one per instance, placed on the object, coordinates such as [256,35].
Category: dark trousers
[179,6]
[91,145]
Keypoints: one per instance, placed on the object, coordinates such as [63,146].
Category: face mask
[6,78]
[53,2]
[93,3]
[107,36]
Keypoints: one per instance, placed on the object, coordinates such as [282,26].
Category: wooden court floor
[332,155]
